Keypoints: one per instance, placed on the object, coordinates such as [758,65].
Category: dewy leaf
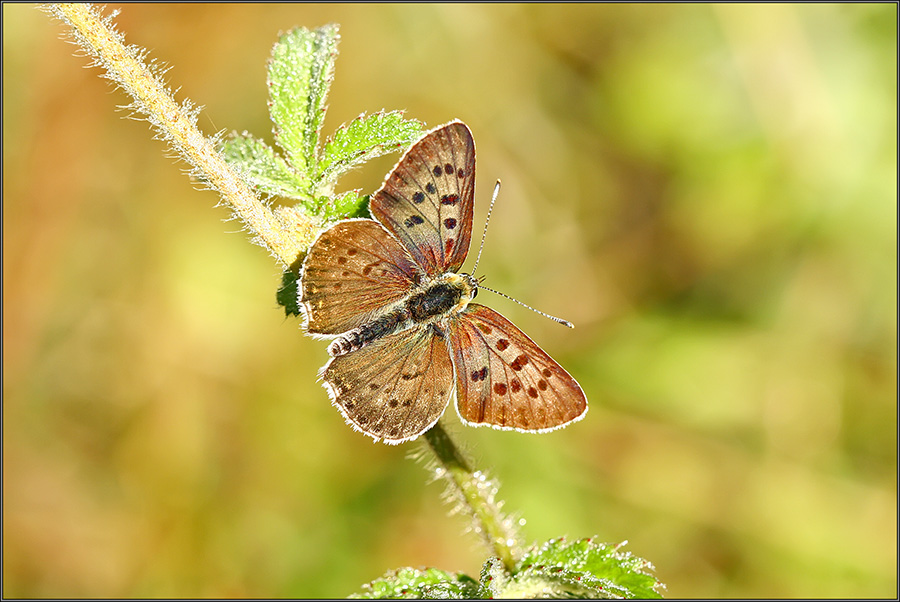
[364,138]
[494,578]
[300,72]
[582,568]
[263,168]
[428,584]
[346,205]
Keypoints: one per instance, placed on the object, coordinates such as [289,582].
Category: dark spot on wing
[502,344]
[450,223]
[500,388]
[430,188]
[418,197]
[413,220]
[519,362]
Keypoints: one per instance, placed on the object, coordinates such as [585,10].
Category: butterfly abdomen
[381,326]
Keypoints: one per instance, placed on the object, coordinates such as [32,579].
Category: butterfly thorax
[425,305]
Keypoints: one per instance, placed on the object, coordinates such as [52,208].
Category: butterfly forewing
[395,387]
[352,270]
[426,201]
[505,380]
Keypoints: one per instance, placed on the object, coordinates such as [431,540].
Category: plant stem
[477,493]
[286,236]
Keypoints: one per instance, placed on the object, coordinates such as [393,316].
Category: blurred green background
[708,192]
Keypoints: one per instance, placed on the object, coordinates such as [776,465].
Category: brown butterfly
[404,330]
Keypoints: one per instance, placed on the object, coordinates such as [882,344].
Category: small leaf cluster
[300,72]
[557,569]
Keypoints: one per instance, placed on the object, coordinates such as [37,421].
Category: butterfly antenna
[486,222]
[554,318]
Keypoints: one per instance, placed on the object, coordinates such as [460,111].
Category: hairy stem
[477,494]
[286,236]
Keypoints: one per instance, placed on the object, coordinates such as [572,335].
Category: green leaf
[364,138]
[288,294]
[428,584]
[300,72]
[557,569]
[263,168]
[347,205]
[579,569]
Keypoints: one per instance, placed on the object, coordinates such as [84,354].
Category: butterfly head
[464,287]
[471,283]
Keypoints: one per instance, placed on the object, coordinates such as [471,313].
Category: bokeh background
[708,192]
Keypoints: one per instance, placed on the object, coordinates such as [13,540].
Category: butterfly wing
[426,201]
[394,388]
[505,380]
[353,269]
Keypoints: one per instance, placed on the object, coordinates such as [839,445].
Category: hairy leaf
[300,72]
[263,168]
[288,293]
[583,569]
[428,584]
[364,138]
[346,205]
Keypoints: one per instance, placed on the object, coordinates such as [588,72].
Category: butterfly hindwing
[352,270]
[396,387]
[505,380]
[427,199]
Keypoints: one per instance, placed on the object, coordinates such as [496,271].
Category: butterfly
[404,332]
